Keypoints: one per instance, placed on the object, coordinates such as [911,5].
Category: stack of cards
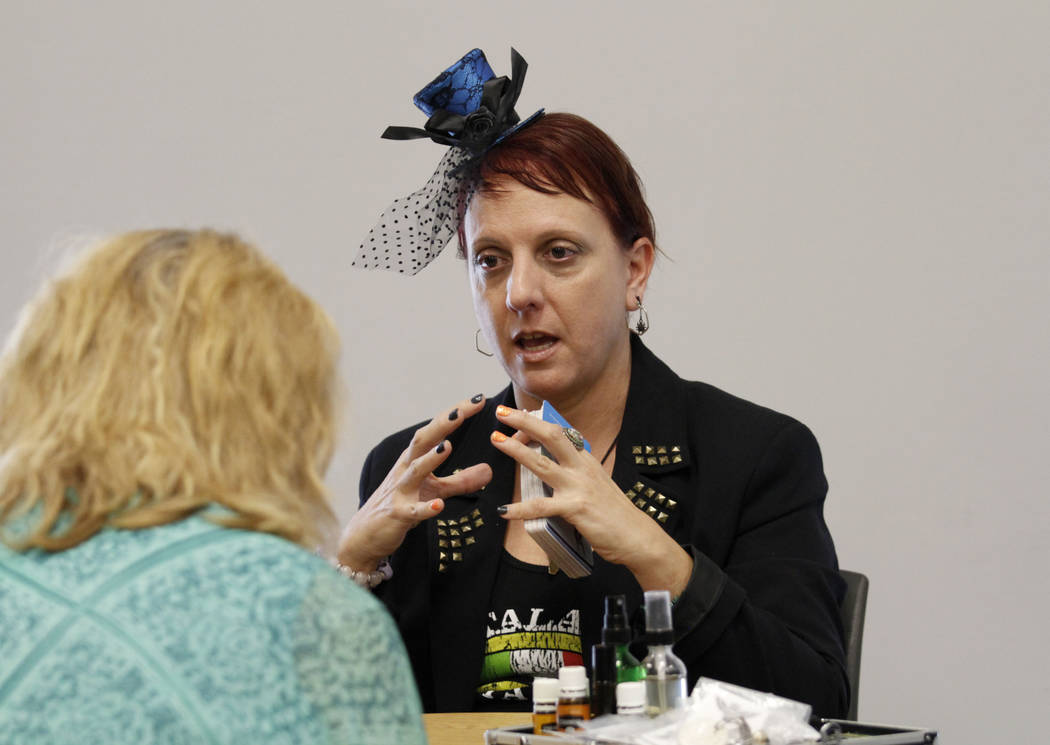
[565,547]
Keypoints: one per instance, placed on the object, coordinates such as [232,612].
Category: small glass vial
[574,704]
[665,675]
[630,699]
[545,704]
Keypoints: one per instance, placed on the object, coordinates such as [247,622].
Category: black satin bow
[479,129]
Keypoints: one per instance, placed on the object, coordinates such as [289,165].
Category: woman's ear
[640,258]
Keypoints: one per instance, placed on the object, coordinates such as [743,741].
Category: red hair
[566,154]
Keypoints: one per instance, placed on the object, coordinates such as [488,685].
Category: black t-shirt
[533,629]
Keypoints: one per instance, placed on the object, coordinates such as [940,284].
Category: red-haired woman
[687,489]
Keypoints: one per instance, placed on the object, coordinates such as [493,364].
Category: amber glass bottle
[574,704]
[545,693]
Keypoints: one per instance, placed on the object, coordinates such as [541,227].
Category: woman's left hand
[587,497]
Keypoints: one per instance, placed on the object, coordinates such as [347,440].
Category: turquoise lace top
[194,633]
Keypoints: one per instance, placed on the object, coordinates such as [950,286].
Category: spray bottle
[617,631]
[665,674]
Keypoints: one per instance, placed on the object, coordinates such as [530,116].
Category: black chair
[852,611]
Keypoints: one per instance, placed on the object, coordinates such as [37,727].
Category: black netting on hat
[413,230]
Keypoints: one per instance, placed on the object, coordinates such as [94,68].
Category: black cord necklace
[609,451]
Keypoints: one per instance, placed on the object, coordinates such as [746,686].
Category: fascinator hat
[470,110]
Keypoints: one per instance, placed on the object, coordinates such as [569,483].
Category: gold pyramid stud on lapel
[656,455]
[656,505]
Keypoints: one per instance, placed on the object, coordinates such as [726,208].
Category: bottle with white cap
[630,699]
[574,703]
[545,693]
[665,675]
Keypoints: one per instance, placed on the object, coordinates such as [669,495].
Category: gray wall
[854,197]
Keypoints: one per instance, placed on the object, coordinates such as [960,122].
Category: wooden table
[468,727]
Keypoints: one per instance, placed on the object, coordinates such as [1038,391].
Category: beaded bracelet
[368,580]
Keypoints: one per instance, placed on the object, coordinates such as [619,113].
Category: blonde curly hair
[168,371]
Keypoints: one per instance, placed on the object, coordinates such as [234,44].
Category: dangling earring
[642,324]
[477,344]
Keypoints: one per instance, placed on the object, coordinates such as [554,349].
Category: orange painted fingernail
[435,504]
[499,437]
[502,410]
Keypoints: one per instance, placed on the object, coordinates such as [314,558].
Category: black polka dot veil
[412,231]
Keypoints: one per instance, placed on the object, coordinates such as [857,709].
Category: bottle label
[635,710]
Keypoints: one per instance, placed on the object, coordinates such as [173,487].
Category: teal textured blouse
[195,633]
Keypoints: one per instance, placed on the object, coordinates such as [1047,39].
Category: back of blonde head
[167,371]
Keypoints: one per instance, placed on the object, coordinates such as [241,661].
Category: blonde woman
[166,418]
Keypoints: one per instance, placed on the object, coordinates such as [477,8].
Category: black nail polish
[440,448]
[478,398]
[453,415]
[501,510]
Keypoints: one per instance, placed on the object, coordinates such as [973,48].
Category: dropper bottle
[617,631]
[665,674]
[574,704]
[630,699]
[545,705]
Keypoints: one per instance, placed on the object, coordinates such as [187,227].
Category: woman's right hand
[411,492]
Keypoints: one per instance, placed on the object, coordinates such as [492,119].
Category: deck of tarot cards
[565,547]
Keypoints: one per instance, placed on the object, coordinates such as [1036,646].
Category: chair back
[852,611]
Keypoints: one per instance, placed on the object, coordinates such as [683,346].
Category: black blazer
[740,486]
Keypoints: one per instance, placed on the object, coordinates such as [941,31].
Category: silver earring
[642,324]
[477,344]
